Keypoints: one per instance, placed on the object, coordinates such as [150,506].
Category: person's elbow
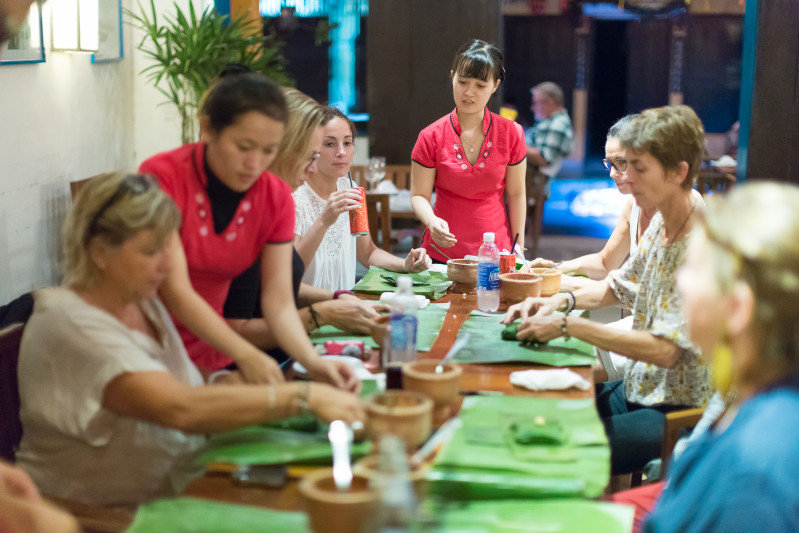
[181,414]
[668,355]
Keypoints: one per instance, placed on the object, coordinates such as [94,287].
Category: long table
[217,485]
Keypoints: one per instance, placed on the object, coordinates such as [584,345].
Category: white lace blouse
[333,265]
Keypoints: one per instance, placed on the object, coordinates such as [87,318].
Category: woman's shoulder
[272,186]
[436,128]
[503,124]
[170,159]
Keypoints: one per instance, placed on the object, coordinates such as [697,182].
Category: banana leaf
[298,439]
[431,318]
[569,515]
[481,461]
[435,283]
[189,515]
[487,345]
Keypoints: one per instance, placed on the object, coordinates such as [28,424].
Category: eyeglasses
[312,160]
[133,183]
[619,164]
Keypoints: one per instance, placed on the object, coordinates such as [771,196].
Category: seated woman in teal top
[740,287]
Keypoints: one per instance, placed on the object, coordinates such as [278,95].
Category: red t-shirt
[470,197]
[265,215]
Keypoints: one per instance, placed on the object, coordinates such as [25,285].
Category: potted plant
[188,50]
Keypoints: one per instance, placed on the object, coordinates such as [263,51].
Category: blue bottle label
[403,331]
[488,276]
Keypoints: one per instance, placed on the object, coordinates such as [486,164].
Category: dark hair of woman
[237,91]
[334,112]
[480,60]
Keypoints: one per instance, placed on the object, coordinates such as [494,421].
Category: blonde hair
[113,208]
[305,115]
[670,134]
[753,235]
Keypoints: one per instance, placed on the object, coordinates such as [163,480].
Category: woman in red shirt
[472,156]
[233,212]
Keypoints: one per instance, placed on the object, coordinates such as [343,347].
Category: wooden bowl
[406,414]
[332,511]
[517,286]
[369,467]
[551,283]
[420,376]
[462,271]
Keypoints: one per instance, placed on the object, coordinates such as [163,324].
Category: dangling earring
[722,368]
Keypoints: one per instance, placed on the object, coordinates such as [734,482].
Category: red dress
[265,215]
[470,197]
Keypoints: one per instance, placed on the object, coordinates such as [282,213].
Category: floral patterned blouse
[646,283]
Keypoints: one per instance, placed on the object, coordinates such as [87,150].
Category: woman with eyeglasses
[632,223]
[317,307]
[475,159]
[235,212]
[666,371]
[740,288]
[322,232]
[112,408]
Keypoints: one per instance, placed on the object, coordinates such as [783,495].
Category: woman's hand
[15,482]
[350,314]
[339,202]
[336,373]
[260,369]
[439,232]
[540,328]
[524,309]
[331,404]
[417,260]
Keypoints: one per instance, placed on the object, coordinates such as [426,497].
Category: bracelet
[303,395]
[564,327]
[216,375]
[314,316]
[336,294]
[570,301]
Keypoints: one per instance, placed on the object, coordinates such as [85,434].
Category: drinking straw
[349,175]
[515,240]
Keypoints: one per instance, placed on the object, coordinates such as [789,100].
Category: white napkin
[562,378]
[386,187]
[388,297]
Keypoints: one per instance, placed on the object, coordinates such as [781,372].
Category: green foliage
[189,49]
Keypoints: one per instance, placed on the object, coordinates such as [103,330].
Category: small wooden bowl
[420,376]
[517,286]
[406,414]
[332,511]
[369,467]
[551,283]
[463,274]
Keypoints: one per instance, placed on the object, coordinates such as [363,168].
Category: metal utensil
[340,436]
[452,351]
[437,249]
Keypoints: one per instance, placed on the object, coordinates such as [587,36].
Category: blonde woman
[111,405]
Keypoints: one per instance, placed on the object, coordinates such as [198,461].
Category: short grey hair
[552,90]
[615,130]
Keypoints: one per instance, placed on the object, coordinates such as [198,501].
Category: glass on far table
[375,171]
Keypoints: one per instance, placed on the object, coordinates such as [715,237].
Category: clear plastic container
[403,322]
[488,274]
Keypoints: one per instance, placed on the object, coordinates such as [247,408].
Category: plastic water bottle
[403,322]
[488,274]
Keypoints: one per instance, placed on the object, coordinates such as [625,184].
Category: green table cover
[189,515]
[487,346]
[481,461]
[569,515]
[431,318]
[436,283]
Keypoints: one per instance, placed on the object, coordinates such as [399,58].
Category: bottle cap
[405,283]
[488,236]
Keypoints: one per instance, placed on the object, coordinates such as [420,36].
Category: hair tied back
[233,69]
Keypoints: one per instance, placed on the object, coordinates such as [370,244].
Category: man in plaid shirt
[551,138]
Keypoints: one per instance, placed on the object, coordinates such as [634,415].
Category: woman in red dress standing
[234,212]
[472,156]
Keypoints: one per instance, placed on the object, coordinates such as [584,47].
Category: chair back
[379,212]
[10,424]
[399,175]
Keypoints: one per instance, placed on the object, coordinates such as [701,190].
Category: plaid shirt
[553,138]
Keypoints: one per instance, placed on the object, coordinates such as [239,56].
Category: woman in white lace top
[322,226]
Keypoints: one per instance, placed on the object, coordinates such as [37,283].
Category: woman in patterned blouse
[663,148]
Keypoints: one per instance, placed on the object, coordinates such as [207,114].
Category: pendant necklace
[471,146]
[684,222]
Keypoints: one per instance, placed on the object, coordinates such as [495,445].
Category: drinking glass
[375,171]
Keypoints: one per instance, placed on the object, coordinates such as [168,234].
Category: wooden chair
[10,425]
[399,175]
[358,173]
[379,212]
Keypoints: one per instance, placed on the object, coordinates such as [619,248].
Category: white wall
[61,121]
